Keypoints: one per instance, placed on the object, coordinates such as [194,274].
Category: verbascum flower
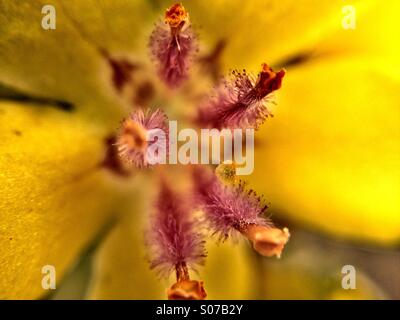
[328,160]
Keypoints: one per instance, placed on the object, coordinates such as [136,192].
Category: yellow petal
[264,31]
[67,63]
[118,26]
[229,272]
[343,162]
[121,269]
[376,28]
[53,197]
[56,63]
[330,158]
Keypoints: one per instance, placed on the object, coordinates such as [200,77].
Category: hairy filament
[175,244]
[233,208]
[240,102]
[173,47]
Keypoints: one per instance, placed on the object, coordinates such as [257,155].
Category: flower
[329,157]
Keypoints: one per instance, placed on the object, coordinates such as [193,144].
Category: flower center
[175,237]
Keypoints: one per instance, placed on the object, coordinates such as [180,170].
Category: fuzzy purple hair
[173,53]
[228,208]
[174,238]
[240,102]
